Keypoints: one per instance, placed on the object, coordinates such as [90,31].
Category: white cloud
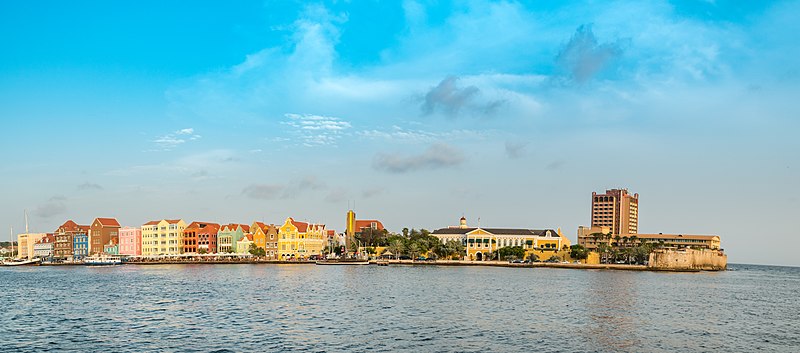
[317,130]
[172,140]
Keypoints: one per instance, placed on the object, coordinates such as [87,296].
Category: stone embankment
[688,259]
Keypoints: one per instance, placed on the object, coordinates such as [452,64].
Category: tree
[256,251]
[202,251]
[396,247]
[533,258]
[511,252]
[578,252]
[413,250]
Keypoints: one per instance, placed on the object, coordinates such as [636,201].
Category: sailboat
[19,262]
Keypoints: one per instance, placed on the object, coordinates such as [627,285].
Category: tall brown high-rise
[617,210]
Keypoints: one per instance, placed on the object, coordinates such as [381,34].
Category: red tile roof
[367,223]
[249,237]
[302,227]
[108,222]
[152,223]
[172,221]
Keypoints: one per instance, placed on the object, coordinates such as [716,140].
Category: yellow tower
[351,223]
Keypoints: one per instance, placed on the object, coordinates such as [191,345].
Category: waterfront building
[62,247]
[130,241]
[300,240]
[101,231]
[25,242]
[679,241]
[80,246]
[112,248]
[481,243]
[164,237]
[229,235]
[43,248]
[354,227]
[617,210]
[200,237]
[266,237]
[243,245]
[591,237]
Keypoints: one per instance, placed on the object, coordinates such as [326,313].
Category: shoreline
[451,263]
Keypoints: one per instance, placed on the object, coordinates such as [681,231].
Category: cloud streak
[437,156]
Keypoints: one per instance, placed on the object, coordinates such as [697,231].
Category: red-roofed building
[357,226]
[63,245]
[266,237]
[43,248]
[101,232]
[300,240]
[200,237]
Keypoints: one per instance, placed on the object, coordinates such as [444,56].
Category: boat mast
[26,221]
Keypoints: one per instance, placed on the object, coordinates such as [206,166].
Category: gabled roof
[107,222]
[331,232]
[152,223]
[302,227]
[173,221]
[249,237]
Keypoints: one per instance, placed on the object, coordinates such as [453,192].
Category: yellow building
[164,237]
[25,242]
[481,243]
[300,240]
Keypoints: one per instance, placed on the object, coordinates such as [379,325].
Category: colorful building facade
[130,241]
[266,237]
[43,248]
[300,240]
[482,243]
[101,232]
[229,235]
[164,237]
[200,237]
[80,246]
[62,247]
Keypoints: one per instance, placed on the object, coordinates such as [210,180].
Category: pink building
[130,241]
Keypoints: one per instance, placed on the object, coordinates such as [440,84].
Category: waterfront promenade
[228,261]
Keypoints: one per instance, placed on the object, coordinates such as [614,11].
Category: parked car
[404,257]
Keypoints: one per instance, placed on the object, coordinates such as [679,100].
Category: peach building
[617,210]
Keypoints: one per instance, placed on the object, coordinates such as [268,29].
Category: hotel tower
[616,209]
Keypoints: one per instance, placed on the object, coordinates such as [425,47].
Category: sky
[412,112]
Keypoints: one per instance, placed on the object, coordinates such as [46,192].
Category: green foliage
[511,252]
[202,251]
[578,252]
[256,251]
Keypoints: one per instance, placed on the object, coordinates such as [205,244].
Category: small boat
[22,262]
[343,262]
[382,263]
[102,261]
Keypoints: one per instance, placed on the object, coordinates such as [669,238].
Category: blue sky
[417,111]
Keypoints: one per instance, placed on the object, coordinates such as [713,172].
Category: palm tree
[413,250]
[396,247]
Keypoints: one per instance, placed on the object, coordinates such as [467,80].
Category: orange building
[199,236]
[266,237]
